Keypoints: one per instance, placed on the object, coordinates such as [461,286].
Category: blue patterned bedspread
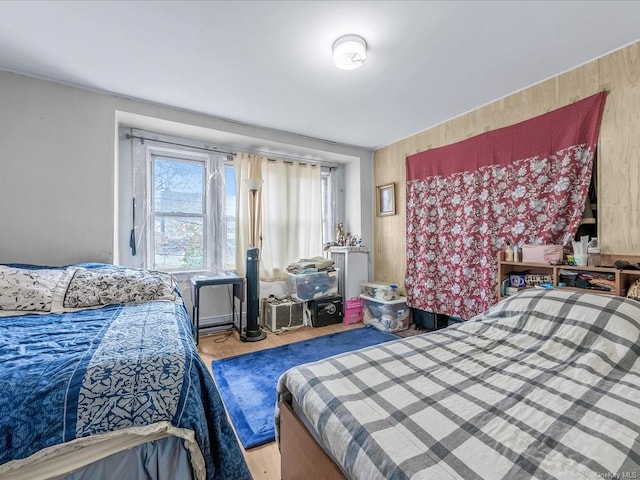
[71,375]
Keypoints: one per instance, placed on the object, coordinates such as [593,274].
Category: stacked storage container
[319,292]
[353,310]
[384,308]
[309,286]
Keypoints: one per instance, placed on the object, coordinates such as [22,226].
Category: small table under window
[219,278]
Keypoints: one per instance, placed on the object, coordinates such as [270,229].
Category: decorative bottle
[594,253]
[516,252]
[508,253]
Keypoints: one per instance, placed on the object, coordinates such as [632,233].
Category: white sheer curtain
[288,209]
[291,216]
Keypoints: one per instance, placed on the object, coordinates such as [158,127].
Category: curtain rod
[284,158]
[129,136]
[291,162]
[288,158]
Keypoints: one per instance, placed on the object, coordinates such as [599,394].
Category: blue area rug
[247,383]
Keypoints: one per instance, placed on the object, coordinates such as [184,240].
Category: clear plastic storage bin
[309,286]
[380,291]
[388,316]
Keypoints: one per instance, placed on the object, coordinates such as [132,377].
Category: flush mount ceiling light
[349,52]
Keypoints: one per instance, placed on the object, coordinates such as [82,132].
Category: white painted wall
[58,165]
[56,173]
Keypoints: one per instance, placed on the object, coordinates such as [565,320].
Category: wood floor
[264,461]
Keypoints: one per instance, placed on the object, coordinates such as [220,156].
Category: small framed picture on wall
[386,199]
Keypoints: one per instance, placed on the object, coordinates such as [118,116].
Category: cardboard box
[541,253]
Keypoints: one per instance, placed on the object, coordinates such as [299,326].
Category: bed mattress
[87,383]
[544,385]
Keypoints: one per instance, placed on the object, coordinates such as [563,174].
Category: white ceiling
[268,63]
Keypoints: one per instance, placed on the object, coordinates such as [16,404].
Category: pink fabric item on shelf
[541,253]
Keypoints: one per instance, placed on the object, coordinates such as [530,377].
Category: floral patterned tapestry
[525,184]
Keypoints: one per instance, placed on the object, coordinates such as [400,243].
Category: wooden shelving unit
[622,278]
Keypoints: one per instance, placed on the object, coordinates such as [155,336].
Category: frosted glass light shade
[349,52]
[254,184]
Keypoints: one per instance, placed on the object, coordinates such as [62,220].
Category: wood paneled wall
[618,152]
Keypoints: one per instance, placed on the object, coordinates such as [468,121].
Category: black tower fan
[253,333]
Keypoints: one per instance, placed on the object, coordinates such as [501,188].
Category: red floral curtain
[524,184]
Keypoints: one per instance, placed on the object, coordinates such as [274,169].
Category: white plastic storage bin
[388,316]
[380,291]
[309,286]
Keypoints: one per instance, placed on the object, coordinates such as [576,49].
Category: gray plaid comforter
[546,384]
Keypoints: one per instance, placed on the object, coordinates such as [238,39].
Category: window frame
[178,155]
[329,189]
[228,163]
[140,191]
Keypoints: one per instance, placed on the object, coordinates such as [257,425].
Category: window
[177,198]
[184,205]
[230,214]
[192,211]
[328,189]
[178,214]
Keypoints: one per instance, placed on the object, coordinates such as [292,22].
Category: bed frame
[300,454]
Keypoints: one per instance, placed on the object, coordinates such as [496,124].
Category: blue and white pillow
[106,286]
[44,290]
[29,290]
